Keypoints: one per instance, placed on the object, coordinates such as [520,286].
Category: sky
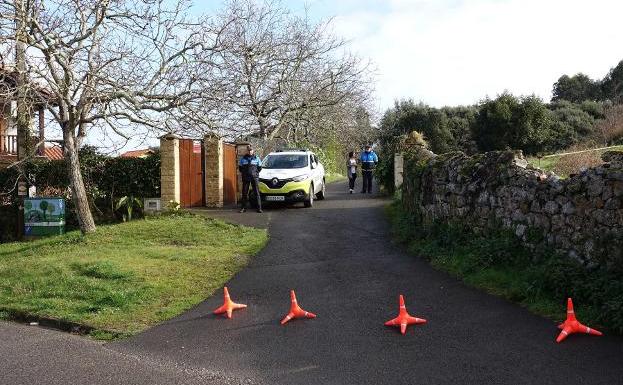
[453,52]
[457,52]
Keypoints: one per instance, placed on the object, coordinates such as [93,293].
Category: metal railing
[8,144]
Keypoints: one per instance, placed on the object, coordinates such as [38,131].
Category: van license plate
[275,198]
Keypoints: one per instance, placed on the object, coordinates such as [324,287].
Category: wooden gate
[191,173]
[230,174]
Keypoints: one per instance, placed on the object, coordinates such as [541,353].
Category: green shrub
[106,179]
[331,154]
[384,172]
[8,223]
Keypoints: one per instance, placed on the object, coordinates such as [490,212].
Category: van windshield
[285,161]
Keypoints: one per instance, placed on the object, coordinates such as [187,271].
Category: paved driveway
[340,259]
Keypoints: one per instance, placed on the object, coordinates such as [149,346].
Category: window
[285,161]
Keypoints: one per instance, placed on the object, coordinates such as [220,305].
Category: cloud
[458,52]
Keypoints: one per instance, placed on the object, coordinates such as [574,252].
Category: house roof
[137,153]
[53,152]
[39,94]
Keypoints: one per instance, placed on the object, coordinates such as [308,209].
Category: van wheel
[323,192]
[309,202]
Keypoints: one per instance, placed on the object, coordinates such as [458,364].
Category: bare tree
[611,127]
[117,65]
[113,64]
[275,66]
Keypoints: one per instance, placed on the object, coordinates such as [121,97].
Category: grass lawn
[545,164]
[125,277]
[563,165]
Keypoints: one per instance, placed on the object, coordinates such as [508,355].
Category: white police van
[292,176]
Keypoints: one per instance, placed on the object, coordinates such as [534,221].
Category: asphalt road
[32,355]
[339,258]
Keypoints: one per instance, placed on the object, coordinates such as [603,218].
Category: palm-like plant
[129,202]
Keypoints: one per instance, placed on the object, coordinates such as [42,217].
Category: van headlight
[300,178]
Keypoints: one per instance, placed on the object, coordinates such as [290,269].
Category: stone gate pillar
[169,169]
[398,169]
[213,150]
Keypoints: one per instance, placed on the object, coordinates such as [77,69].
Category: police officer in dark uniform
[368,160]
[250,166]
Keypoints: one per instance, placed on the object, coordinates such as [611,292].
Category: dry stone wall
[581,216]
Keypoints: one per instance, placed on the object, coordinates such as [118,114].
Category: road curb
[56,324]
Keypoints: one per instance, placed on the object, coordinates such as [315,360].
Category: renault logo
[275,181]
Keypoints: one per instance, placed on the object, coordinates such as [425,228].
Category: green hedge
[106,179]
[331,154]
[384,172]
[7,223]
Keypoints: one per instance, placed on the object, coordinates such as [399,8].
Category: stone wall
[581,216]
[398,169]
[213,150]
[170,177]
[169,169]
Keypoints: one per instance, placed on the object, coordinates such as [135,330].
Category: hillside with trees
[583,113]
[580,87]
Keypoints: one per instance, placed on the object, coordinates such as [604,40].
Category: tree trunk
[264,127]
[23,110]
[78,191]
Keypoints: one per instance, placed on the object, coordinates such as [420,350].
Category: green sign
[44,216]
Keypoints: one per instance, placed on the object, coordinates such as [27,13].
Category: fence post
[398,169]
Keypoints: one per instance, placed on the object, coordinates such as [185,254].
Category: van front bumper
[290,191]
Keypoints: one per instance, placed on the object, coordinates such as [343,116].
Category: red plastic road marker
[295,310]
[228,305]
[572,325]
[404,318]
